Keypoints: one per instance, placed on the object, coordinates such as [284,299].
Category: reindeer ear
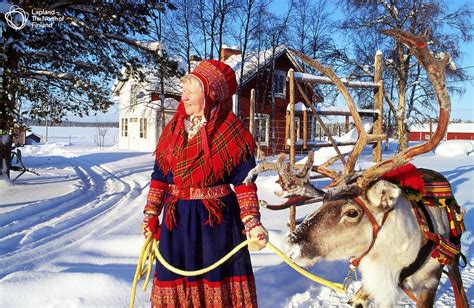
[383,194]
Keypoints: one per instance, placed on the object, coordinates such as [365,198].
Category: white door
[134,131]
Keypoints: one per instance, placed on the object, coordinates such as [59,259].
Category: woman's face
[193,98]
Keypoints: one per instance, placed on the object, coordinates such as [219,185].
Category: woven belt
[212,192]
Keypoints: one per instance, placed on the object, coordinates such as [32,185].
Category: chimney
[227,52]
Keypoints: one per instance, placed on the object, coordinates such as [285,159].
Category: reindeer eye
[352,213]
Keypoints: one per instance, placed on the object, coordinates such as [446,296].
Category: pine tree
[66,63]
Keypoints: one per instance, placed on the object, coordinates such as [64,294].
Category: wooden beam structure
[378,107]
[291,75]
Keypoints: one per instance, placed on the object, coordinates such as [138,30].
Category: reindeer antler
[295,184]
[436,70]
[363,137]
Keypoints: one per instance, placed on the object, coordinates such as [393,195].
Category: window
[279,84]
[143,128]
[124,131]
[133,95]
[262,129]
[297,128]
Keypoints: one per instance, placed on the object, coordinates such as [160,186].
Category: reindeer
[369,220]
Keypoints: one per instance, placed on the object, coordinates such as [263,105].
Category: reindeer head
[341,228]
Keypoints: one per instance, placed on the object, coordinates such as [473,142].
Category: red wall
[420,136]
[263,105]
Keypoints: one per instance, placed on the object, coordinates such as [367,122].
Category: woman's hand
[255,230]
[151,226]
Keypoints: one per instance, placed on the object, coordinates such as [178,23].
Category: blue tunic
[192,244]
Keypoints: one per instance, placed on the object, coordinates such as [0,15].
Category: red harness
[354,262]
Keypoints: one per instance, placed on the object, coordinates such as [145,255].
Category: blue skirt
[192,245]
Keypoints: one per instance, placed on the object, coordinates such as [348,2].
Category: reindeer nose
[292,250]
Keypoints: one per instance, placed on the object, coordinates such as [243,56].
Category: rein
[355,262]
[150,253]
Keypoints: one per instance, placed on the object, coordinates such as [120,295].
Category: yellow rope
[338,287]
[151,252]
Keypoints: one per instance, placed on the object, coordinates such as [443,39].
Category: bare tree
[224,9]
[447,28]
[99,138]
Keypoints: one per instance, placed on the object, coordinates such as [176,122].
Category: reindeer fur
[333,233]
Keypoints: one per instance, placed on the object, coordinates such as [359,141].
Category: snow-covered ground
[70,237]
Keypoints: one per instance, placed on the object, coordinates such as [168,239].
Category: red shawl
[228,141]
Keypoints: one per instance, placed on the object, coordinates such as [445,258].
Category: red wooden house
[267,72]
[455,131]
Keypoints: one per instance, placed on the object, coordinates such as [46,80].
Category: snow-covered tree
[64,58]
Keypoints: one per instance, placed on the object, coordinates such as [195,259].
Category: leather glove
[255,230]
[151,226]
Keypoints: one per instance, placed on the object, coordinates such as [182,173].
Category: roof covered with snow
[452,128]
[255,60]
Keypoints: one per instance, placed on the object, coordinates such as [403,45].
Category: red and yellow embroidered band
[248,200]
[154,202]
[210,197]
[445,251]
[438,189]
[190,193]
[237,291]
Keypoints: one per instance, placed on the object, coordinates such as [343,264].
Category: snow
[344,109]
[72,136]
[454,148]
[300,106]
[322,155]
[253,61]
[71,236]
[327,80]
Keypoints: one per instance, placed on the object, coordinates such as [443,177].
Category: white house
[140,110]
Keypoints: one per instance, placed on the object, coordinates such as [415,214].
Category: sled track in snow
[50,226]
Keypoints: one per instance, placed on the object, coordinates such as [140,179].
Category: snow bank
[454,148]
[324,154]
[47,289]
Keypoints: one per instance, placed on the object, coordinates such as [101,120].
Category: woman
[202,150]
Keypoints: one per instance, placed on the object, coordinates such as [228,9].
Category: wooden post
[346,125]
[431,127]
[287,129]
[305,128]
[252,112]
[291,74]
[378,106]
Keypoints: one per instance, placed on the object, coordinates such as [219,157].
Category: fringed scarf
[220,145]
